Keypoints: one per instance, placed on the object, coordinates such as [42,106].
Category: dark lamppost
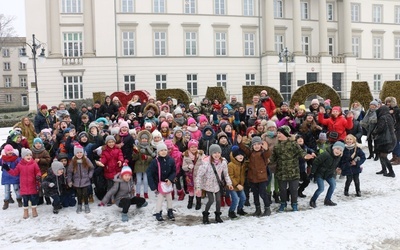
[24,58]
[286,56]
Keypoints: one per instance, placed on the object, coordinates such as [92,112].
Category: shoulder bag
[163,187]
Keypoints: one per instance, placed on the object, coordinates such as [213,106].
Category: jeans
[238,197]
[396,150]
[7,191]
[34,198]
[141,178]
[320,182]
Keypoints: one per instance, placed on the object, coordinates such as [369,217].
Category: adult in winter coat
[42,120]
[394,111]
[356,130]
[337,123]
[384,144]
[108,108]
[368,123]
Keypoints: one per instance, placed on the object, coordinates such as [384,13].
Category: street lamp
[286,56]
[41,58]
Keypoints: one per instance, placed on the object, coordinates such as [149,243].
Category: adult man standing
[42,119]
[73,113]
[234,103]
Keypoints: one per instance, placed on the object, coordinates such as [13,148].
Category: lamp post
[24,58]
[286,56]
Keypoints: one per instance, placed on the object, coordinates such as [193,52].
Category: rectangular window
[128,43]
[279,43]
[8,98]
[191,43]
[250,79]
[73,46]
[249,44]
[129,83]
[71,6]
[221,80]
[305,45]
[397,76]
[331,46]
[127,6]
[160,43]
[304,10]
[191,82]
[219,7]
[220,44]
[355,46]
[377,47]
[22,66]
[355,12]
[159,6]
[190,6]
[397,14]
[22,81]
[161,81]
[7,81]
[329,11]
[7,66]
[73,87]
[377,13]
[278,9]
[248,7]
[397,48]
[377,82]
[24,100]
[6,52]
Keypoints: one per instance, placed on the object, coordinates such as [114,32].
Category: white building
[117,45]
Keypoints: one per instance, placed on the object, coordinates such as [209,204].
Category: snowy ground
[368,222]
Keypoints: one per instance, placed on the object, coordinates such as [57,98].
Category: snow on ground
[368,222]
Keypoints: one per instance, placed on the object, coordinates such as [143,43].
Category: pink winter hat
[164,124]
[169,144]
[8,148]
[202,118]
[190,121]
[124,124]
[192,143]
[336,108]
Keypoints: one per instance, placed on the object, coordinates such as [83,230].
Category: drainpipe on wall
[116,43]
[259,40]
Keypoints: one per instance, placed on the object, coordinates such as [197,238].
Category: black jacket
[168,171]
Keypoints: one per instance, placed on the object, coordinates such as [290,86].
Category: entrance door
[337,82]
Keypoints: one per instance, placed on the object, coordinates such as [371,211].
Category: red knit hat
[44,106]
[192,143]
[126,170]
[337,108]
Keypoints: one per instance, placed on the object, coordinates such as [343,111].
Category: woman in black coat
[384,144]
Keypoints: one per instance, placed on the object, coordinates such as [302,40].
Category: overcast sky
[15,8]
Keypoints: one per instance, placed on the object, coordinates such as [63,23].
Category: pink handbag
[163,187]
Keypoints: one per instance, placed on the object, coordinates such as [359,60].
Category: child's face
[257,146]
[322,141]
[157,139]
[124,129]
[60,172]
[228,129]
[260,127]
[85,120]
[64,162]
[126,177]
[79,155]
[111,143]
[93,130]
[281,137]
[9,153]
[178,134]
[216,155]
[300,141]
[84,139]
[170,119]
[208,132]
[337,151]
[193,125]
[187,136]
[239,158]
[19,139]
[38,145]
[349,140]
[28,157]
[144,140]
[223,141]
[163,153]
[203,123]
[193,149]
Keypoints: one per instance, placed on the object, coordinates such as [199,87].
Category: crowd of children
[210,151]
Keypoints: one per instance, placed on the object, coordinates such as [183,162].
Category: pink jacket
[110,157]
[177,156]
[28,171]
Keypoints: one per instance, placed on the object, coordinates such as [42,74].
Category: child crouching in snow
[209,179]
[124,192]
[54,184]
[29,174]
[162,169]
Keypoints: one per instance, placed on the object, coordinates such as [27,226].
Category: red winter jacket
[27,171]
[269,106]
[340,124]
[110,158]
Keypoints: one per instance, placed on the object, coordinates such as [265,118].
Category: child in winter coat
[174,152]
[162,169]
[350,164]
[225,153]
[9,158]
[192,160]
[322,143]
[30,176]
[193,129]
[209,179]
[42,158]
[144,154]
[325,167]
[237,173]
[80,171]
[286,155]
[123,190]
[68,197]
[111,160]
[125,142]
[302,165]
[54,184]
[257,173]
[208,138]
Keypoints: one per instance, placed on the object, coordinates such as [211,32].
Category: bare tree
[6,28]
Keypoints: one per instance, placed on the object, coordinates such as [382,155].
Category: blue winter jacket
[345,162]
[6,178]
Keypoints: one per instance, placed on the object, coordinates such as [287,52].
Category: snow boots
[218,217]
[170,214]
[190,202]
[205,217]
[198,203]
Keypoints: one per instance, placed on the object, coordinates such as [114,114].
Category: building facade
[14,85]
[125,45]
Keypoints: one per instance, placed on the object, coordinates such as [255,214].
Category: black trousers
[260,190]
[126,203]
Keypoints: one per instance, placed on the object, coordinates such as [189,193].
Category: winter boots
[358,193]
[346,192]
[205,217]
[313,204]
[5,205]
[34,212]
[218,217]
[267,212]
[47,199]
[198,203]
[146,195]
[232,215]
[87,209]
[170,214]
[159,216]
[300,193]
[257,212]
[190,202]
[294,207]
[181,195]
[26,213]
[124,217]
[395,160]
[282,207]
[79,209]
[329,203]
[241,212]
[19,201]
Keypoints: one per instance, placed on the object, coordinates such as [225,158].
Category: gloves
[101,204]
[144,157]
[357,159]
[70,184]
[310,177]
[5,167]
[51,184]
